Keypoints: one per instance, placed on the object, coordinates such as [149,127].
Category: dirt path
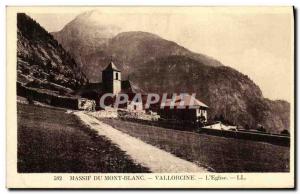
[147,155]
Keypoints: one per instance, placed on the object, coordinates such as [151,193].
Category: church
[112,83]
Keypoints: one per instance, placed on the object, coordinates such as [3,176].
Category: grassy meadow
[218,154]
[50,140]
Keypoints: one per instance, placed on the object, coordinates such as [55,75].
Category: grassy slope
[220,154]
[49,140]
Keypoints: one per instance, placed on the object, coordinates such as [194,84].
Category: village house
[184,108]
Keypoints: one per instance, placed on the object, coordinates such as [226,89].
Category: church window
[117,76]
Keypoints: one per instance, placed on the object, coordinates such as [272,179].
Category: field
[218,154]
[50,140]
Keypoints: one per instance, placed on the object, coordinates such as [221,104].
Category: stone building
[112,83]
[111,79]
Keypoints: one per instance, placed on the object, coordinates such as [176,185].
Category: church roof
[111,66]
[128,86]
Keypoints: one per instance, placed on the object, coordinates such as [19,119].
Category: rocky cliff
[41,61]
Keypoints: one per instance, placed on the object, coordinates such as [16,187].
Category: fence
[178,125]
[191,127]
[270,138]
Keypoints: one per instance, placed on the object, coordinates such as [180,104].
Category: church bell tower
[111,79]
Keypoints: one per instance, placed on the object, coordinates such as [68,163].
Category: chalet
[184,108]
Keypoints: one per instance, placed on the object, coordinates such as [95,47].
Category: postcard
[150,97]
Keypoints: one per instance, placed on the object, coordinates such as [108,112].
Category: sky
[257,42]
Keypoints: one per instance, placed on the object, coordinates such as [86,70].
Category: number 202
[57,178]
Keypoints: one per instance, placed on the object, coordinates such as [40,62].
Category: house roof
[184,100]
[220,126]
[111,66]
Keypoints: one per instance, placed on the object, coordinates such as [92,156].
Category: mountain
[226,91]
[158,65]
[93,44]
[41,60]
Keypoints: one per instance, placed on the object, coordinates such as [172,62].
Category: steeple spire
[111,66]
